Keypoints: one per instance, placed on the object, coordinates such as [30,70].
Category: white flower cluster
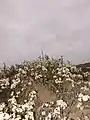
[52,110]
[51,71]
[64,74]
[15,82]
[85,88]
[4,83]
[43,68]
[61,103]
[38,76]
[58,81]
[2,105]
[86,74]
[82,97]
[18,109]
[5,116]
[22,71]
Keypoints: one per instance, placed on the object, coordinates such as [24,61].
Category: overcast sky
[58,27]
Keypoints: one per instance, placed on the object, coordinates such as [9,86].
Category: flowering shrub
[19,99]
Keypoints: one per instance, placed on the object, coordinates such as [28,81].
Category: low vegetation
[23,96]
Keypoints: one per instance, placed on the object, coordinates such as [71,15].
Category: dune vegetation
[44,89]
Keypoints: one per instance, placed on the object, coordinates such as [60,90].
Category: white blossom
[61,103]
[43,68]
[82,97]
[79,105]
[2,105]
[85,88]
[43,113]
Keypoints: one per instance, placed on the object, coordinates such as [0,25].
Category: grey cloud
[60,27]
